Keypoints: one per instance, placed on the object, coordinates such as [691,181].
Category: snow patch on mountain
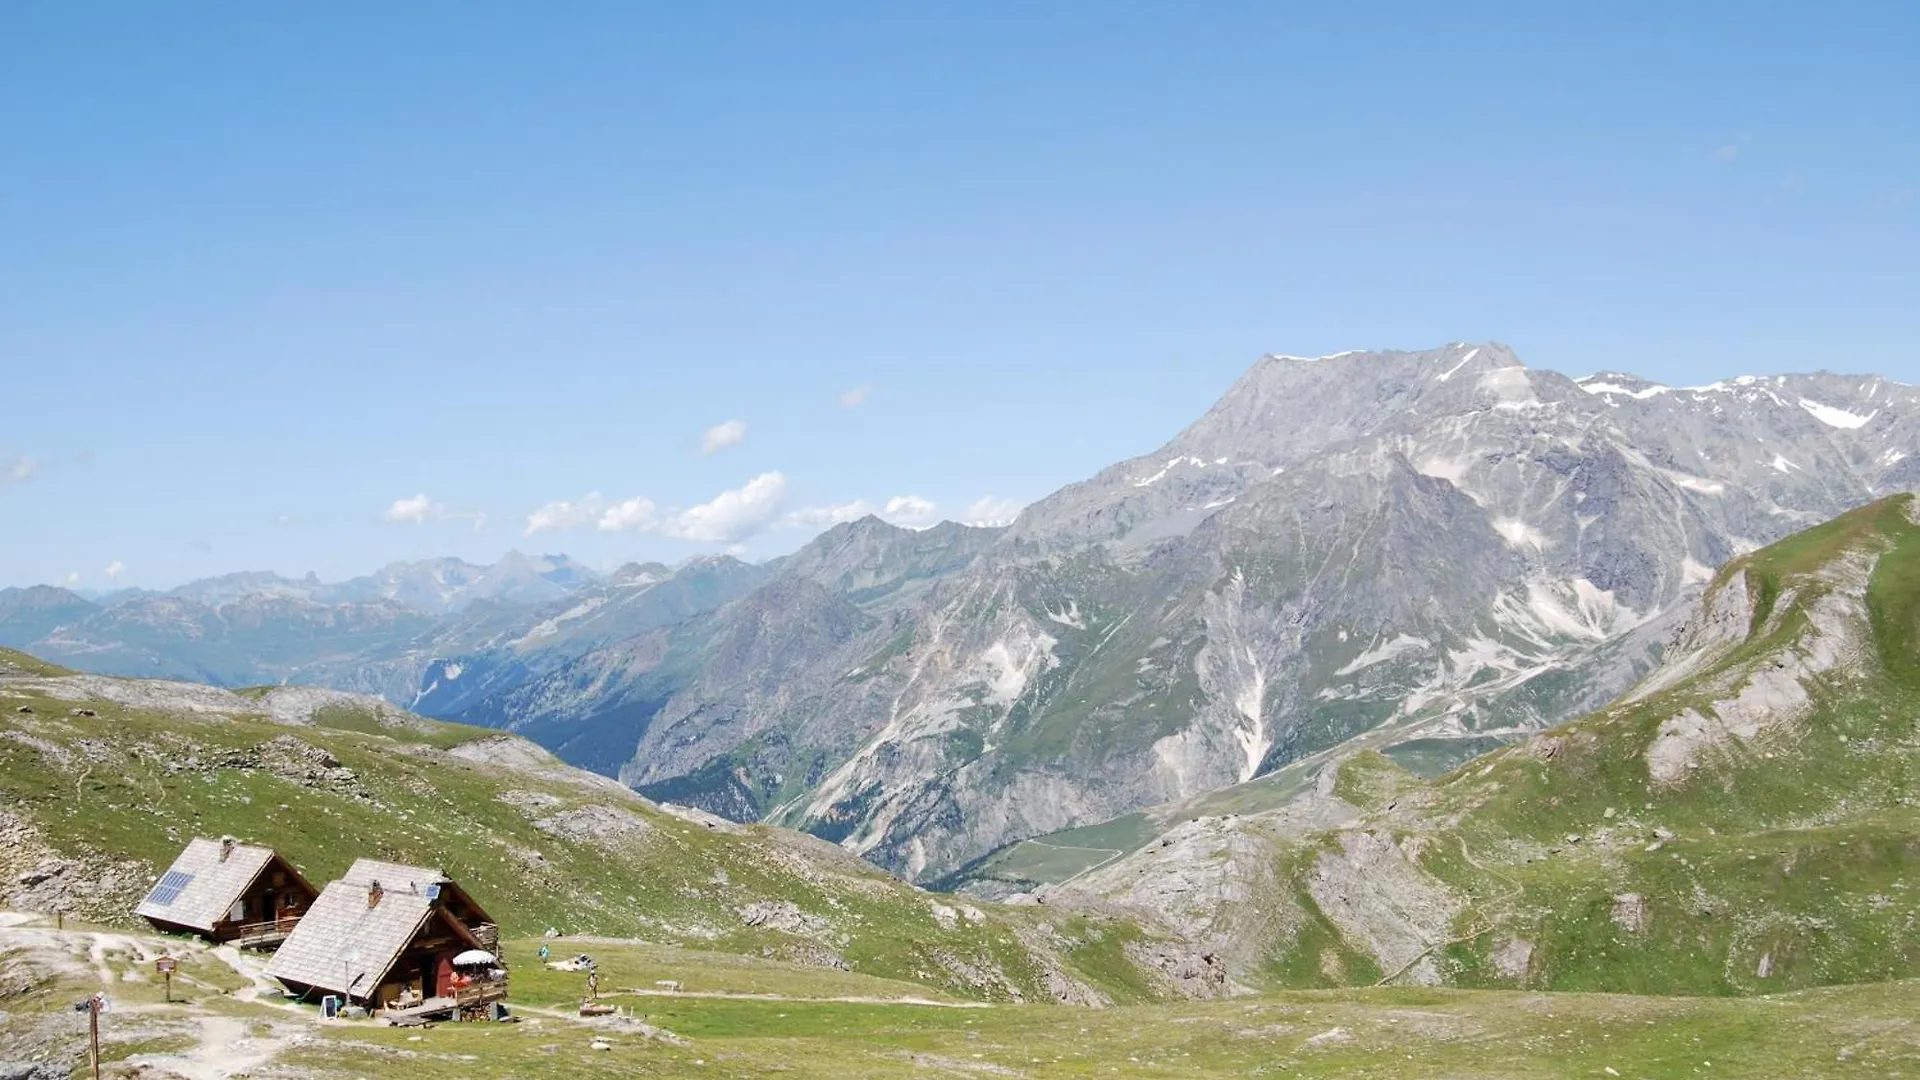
[1839,418]
[1519,534]
[1642,394]
[1385,651]
[1070,617]
[1449,373]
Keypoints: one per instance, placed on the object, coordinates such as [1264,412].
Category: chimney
[226,847]
[373,894]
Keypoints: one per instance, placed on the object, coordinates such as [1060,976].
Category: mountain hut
[406,940]
[227,891]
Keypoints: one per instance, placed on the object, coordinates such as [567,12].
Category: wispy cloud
[114,570]
[564,514]
[73,578]
[989,511]
[17,470]
[1729,151]
[420,509]
[731,516]
[722,435]
[857,396]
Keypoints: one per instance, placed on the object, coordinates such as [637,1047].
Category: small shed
[227,891]
[388,935]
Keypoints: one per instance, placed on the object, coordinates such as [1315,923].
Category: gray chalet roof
[343,945]
[392,876]
[200,887]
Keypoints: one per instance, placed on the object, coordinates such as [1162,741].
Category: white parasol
[473,957]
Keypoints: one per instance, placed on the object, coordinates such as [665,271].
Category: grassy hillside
[102,781]
[1745,822]
[754,1018]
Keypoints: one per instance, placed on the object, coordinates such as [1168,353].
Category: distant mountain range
[259,627]
[1441,548]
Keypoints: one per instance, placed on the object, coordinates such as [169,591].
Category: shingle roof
[392,876]
[343,945]
[200,888]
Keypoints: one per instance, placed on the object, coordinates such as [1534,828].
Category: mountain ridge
[1443,545]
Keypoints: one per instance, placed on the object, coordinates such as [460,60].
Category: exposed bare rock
[1630,912]
[704,819]
[594,823]
[1192,973]
[782,915]
[520,755]
[1382,902]
[1769,694]
[1513,958]
[36,877]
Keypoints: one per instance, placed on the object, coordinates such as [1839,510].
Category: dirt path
[225,1048]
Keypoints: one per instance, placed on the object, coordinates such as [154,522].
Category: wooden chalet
[405,940]
[227,891]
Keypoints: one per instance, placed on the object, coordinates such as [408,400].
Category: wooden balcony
[260,935]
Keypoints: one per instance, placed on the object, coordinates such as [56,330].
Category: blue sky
[270,272]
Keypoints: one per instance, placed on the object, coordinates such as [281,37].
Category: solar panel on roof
[169,888]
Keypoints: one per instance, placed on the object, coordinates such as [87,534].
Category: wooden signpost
[165,964]
[93,1007]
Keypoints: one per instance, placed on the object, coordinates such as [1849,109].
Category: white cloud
[907,511]
[419,509]
[911,511]
[988,510]
[730,516]
[412,510]
[857,396]
[820,517]
[634,513]
[565,514]
[114,570]
[16,470]
[722,435]
[73,578]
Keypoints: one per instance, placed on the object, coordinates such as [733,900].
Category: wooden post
[93,1034]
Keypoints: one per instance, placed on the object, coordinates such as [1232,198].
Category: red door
[443,975]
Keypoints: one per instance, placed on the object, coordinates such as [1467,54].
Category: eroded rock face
[1383,902]
[1190,972]
[1769,694]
